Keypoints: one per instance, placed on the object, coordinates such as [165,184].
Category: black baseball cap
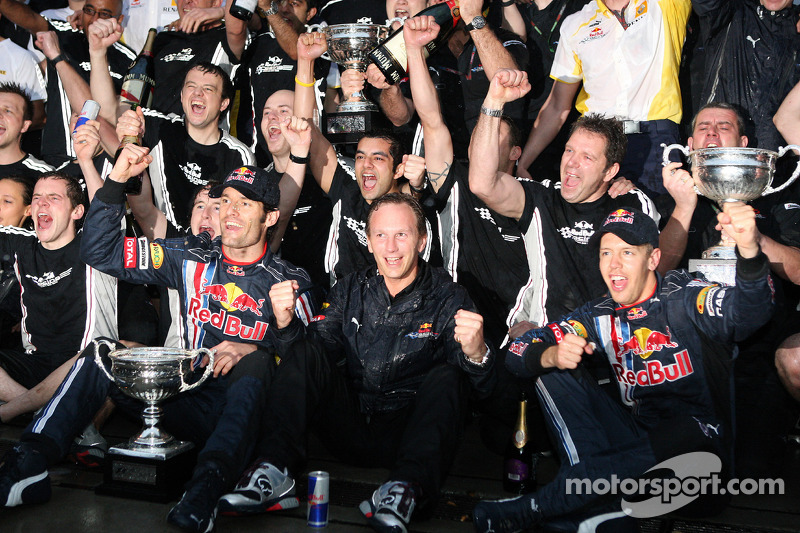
[631,225]
[253,182]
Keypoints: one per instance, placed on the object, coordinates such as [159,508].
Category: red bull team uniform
[670,357]
[221,300]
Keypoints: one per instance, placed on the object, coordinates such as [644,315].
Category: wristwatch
[476,23]
[273,8]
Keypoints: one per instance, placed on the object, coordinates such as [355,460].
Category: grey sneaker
[390,507]
[263,488]
[89,449]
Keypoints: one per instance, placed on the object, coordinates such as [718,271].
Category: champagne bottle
[519,476]
[139,82]
[243,9]
[391,57]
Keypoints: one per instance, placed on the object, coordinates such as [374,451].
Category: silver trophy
[730,174]
[153,375]
[349,45]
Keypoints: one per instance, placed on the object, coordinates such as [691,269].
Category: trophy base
[716,270]
[131,472]
[349,127]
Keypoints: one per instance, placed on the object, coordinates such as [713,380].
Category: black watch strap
[299,160]
[60,57]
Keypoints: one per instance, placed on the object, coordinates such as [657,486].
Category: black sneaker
[506,516]
[23,477]
[197,509]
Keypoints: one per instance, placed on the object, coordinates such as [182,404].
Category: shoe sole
[15,494]
[285,504]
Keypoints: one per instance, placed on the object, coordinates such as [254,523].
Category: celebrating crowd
[514,231]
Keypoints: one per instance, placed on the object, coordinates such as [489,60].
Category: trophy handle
[783,150]
[99,360]
[209,368]
[667,149]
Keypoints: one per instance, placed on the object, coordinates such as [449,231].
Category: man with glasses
[64,46]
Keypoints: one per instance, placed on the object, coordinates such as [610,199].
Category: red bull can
[318,497]
[89,112]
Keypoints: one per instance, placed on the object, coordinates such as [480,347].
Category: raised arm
[491,51]
[417,32]
[551,118]
[86,143]
[513,21]
[77,90]
[500,191]
[397,108]
[102,34]
[675,234]
[22,15]
[323,157]
[297,132]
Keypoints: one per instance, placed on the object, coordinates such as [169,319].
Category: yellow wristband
[301,84]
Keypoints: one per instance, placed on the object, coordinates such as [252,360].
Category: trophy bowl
[152,375]
[349,45]
[731,174]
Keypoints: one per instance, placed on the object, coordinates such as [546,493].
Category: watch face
[478,22]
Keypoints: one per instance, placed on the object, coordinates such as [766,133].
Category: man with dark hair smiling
[227,287]
[669,342]
[15,120]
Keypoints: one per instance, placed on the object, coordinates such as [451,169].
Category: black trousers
[417,442]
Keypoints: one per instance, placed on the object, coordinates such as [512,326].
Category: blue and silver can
[89,112]
[318,497]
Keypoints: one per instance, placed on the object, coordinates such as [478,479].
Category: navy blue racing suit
[670,356]
[220,300]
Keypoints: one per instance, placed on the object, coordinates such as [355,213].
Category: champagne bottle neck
[521,430]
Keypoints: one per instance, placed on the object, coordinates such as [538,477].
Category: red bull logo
[645,341]
[635,313]
[232,297]
[620,215]
[425,328]
[655,372]
[242,174]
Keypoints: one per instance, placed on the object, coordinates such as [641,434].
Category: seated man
[243,330]
[670,343]
[409,345]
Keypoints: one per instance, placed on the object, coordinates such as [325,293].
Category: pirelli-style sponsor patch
[702,296]
[157,254]
[129,252]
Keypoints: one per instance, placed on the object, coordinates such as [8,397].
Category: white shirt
[19,66]
[143,15]
[631,73]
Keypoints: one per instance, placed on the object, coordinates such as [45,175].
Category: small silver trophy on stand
[729,174]
[152,465]
[349,45]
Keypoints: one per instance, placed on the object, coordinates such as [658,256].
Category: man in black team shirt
[66,303]
[556,218]
[482,249]
[70,46]
[269,62]
[379,164]
[226,288]
[15,120]
[191,150]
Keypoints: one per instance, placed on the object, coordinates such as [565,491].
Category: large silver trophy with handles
[730,174]
[349,45]
[148,465]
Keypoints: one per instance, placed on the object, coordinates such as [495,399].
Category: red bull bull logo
[620,215]
[242,174]
[645,341]
[232,297]
[655,372]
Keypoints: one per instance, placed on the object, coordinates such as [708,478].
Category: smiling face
[184,6]
[403,8]
[13,210]
[296,13]
[12,121]
[628,270]
[716,127]
[53,214]
[278,106]
[205,214]
[584,176]
[243,224]
[99,9]
[375,170]
[395,243]
[202,100]
[776,5]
